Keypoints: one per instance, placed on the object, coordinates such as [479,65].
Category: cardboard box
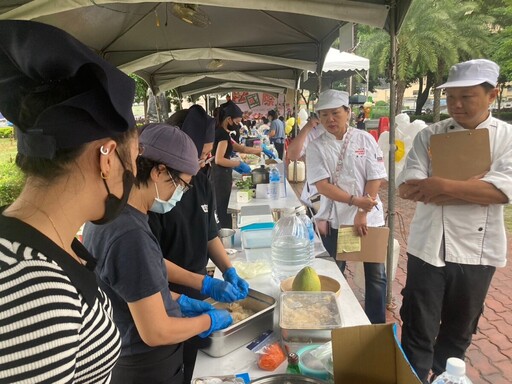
[370,354]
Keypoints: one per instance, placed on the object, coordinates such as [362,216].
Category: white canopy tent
[344,61]
[338,65]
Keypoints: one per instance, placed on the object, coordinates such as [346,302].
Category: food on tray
[307,280]
[238,312]
[250,158]
[309,311]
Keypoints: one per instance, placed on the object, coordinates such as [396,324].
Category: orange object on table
[272,357]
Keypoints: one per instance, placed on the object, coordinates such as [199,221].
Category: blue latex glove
[232,277]
[192,307]
[242,168]
[220,319]
[268,152]
[219,290]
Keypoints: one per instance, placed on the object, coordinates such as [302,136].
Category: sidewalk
[489,356]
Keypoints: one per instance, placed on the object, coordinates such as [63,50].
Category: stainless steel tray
[222,342]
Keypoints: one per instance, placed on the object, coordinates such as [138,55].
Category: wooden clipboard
[374,246]
[460,155]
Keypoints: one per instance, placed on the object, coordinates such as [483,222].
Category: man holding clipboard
[457,236]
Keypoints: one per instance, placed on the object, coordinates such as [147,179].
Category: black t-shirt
[130,268]
[184,232]
[221,135]
[360,120]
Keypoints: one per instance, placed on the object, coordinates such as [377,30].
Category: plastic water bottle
[274,183]
[290,251]
[455,373]
[301,211]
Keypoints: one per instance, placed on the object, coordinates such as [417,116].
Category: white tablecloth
[243,360]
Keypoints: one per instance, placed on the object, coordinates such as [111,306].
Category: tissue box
[244,196]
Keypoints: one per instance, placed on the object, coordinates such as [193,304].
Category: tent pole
[392,149]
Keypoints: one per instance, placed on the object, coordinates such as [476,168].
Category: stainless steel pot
[227,236]
[260,175]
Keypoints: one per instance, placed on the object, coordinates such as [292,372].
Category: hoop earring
[104,151]
[103,175]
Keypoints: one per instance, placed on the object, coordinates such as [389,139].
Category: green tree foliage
[501,43]
[435,35]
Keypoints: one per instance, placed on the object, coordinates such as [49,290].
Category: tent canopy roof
[261,40]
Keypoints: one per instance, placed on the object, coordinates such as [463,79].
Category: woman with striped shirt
[77,148]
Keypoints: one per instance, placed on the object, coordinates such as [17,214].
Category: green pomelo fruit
[307,280]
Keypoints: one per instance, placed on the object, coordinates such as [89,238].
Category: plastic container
[308,317]
[301,212]
[274,183]
[290,249]
[455,373]
[257,235]
[300,168]
[309,365]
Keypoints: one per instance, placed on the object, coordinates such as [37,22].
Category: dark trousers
[222,179]
[374,281]
[279,149]
[162,365]
[440,311]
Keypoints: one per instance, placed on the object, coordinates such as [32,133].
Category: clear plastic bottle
[274,183]
[301,211]
[290,250]
[455,373]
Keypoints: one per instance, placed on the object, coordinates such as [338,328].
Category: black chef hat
[36,58]
[230,109]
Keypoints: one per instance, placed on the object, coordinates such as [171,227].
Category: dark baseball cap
[168,145]
[35,60]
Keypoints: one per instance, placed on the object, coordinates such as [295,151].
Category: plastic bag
[219,380]
[268,347]
[248,270]
[324,354]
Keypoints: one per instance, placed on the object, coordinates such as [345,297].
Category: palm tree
[435,35]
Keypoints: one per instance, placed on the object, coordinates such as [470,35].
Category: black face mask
[113,204]
[233,127]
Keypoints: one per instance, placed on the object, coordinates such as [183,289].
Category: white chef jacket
[362,162]
[310,190]
[472,233]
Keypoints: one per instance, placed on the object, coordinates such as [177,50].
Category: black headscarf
[196,123]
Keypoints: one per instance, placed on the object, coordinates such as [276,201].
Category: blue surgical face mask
[163,206]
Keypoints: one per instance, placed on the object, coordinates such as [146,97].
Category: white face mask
[163,206]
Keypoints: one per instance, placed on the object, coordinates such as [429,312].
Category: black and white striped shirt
[48,331]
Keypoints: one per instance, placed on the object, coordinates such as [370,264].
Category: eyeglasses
[186,186]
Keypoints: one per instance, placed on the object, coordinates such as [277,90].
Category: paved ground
[489,358]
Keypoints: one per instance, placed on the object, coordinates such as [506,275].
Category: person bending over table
[134,274]
[188,234]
